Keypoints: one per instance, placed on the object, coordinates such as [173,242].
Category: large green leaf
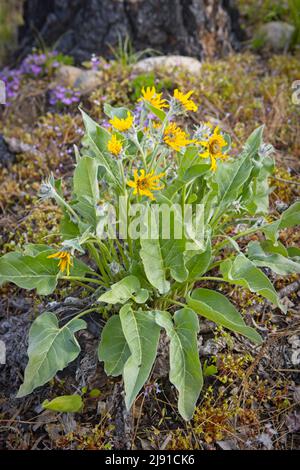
[113,349]
[217,308]
[243,272]
[256,194]
[97,139]
[163,256]
[232,176]
[30,272]
[142,335]
[86,189]
[159,257]
[50,349]
[185,367]
[267,256]
[198,264]
[128,288]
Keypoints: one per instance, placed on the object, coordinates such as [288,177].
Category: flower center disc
[214,147]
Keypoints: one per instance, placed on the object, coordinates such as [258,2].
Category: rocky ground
[252,400]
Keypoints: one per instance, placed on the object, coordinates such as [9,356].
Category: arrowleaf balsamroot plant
[152,284]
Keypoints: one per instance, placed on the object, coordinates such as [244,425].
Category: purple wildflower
[12,80]
[61,96]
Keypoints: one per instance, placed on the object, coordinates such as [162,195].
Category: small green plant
[294,10]
[125,54]
[151,205]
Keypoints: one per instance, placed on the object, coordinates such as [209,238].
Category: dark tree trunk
[197,28]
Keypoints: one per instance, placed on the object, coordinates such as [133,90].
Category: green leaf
[97,139]
[159,257]
[113,349]
[157,112]
[293,252]
[185,367]
[198,264]
[217,308]
[191,174]
[68,229]
[208,371]
[162,257]
[127,288]
[50,349]
[142,335]
[254,142]
[263,255]
[188,159]
[289,218]
[86,189]
[112,111]
[243,272]
[30,272]
[256,198]
[232,176]
[64,404]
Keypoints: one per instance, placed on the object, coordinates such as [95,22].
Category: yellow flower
[114,145]
[188,104]
[144,183]
[153,98]
[176,137]
[214,148]
[122,124]
[65,261]
[156,124]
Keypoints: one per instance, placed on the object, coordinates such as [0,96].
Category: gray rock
[6,156]
[85,81]
[188,64]
[276,35]
[81,28]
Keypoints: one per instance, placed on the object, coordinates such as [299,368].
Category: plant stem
[220,245]
[211,278]
[83,279]
[85,312]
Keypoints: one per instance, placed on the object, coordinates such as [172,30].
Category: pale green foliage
[139,282]
[185,367]
[217,308]
[142,335]
[50,349]
[64,404]
[128,288]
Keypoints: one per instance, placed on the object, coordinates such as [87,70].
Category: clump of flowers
[40,64]
[35,65]
[149,207]
[12,80]
[61,96]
